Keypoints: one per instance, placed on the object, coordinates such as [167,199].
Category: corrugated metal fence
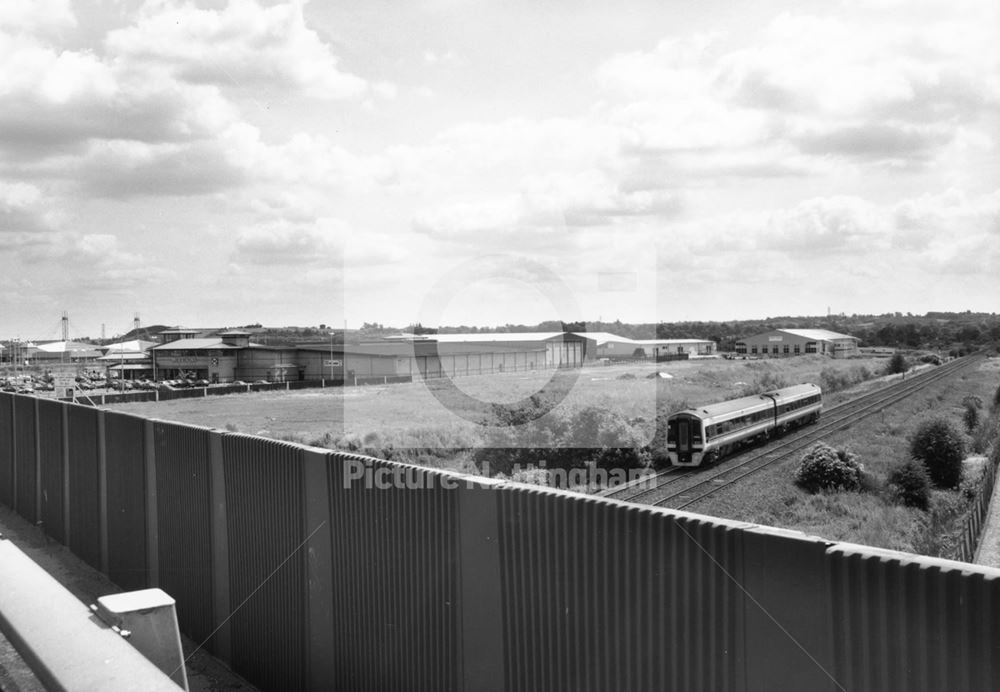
[307,569]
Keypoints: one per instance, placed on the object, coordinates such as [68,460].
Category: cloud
[33,16]
[124,168]
[282,243]
[243,45]
[25,218]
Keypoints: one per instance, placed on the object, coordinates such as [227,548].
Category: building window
[798,349]
[774,350]
[753,349]
[785,348]
[811,347]
[741,347]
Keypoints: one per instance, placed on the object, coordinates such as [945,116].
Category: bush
[984,435]
[939,447]
[896,365]
[909,484]
[826,468]
[970,417]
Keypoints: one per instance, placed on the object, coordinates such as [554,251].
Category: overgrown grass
[872,518]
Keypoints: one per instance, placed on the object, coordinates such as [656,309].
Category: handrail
[65,645]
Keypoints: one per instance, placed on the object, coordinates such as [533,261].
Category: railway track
[679,488]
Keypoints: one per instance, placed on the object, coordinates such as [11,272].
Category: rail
[65,645]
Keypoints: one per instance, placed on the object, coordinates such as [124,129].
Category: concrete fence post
[483,654]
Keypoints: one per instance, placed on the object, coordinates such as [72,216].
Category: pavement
[204,672]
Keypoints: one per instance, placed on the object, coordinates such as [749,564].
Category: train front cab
[685,440]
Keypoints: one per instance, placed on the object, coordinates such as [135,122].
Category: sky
[220,163]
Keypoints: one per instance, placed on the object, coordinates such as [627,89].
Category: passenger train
[698,436]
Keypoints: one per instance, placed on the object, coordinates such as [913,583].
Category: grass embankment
[870,516]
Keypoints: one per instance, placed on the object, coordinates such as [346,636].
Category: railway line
[679,488]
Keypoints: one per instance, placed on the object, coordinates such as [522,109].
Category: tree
[897,364]
[938,445]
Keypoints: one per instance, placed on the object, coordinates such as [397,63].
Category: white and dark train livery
[698,436]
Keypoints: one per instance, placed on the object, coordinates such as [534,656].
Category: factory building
[226,357]
[421,359]
[779,343]
[607,345]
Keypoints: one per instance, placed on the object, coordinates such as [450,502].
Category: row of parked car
[26,384]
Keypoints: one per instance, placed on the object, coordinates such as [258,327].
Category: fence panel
[912,624]
[25,460]
[7,448]
[396,591]
[267,565]
[602,596]
[84,484]
[126,500]
[183,497]
[50,456]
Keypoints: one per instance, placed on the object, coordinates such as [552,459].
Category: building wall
[779,344]
[213,365]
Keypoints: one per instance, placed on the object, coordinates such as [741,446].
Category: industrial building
[607,345]
[793,342]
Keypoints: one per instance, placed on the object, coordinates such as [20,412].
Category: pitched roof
[605,337]
[133,346]
[67,347]
[817,334]
[213,343]
[491,337]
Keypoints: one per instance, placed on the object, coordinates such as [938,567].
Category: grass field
[387,420]
[407,412]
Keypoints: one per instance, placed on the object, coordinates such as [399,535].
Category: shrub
[909,484]
[824,467]
[970,417]
[939,447]
[984,435]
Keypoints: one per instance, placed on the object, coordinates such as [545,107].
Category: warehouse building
[793,342]
[225,357]
[403,360]
[607,345]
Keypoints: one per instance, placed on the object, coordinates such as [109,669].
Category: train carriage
[703,435]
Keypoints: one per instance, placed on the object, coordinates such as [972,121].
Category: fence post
[65,472]
[152,516]
[222,637]
[319,570]
[13,454]
[102,487]
[483,654]
[37,432]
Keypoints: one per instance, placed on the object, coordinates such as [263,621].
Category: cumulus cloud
[244,44]
[33,16]
[123,168]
